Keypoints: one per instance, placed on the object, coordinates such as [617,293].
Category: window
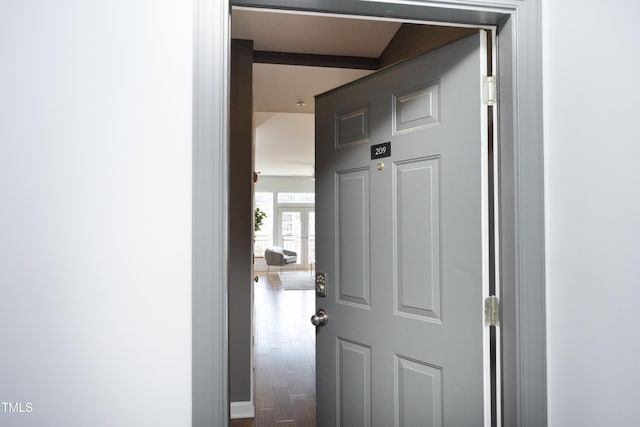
[296,198]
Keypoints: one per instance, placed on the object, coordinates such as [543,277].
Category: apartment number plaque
[379,151]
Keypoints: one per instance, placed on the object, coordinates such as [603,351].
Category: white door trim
[521,174]
[210,396]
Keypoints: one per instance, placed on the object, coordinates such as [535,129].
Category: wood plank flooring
[285,356]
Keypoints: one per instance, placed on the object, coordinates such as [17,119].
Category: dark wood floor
[285,356]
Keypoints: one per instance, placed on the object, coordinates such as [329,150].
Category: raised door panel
[418,394]
[353,395]
[417,239]
[352,240]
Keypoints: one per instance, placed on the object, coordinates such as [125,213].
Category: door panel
[416,108]
[417,238]
[352,126]
[402,244]
[354,392]
[352,243]
[418,394]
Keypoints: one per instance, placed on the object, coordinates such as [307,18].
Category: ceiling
[280,31]
[284,130]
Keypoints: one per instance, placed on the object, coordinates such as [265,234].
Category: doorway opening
[522,205]
[407,40]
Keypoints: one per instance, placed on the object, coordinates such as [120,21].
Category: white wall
[95,212]
[592,144]
[285,143]
[285,184]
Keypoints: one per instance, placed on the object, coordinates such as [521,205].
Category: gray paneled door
[403,242]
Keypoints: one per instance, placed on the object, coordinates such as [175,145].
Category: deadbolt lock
[321,284]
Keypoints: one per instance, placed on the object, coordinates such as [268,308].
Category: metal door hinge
[492,311]
[489,90]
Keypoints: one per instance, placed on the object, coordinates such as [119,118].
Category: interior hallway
[285,355]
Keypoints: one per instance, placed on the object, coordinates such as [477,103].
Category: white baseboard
[242,410]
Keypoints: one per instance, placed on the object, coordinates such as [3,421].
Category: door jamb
[521,176]
[210,360]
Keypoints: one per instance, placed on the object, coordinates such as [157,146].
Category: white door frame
[521,179]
